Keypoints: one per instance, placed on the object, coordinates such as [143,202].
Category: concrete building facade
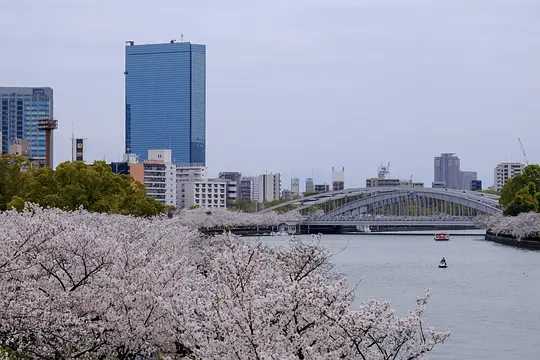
[246,190]
[160,176]
[267,188]
[310,185]
[185,176]
[205,193]
[295,186]
[467,178]
[338,179]
[322,188]
[448,173]
[233,185]
[447,170]
[504,171]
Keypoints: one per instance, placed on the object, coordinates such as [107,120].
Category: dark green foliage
[10,178]
[72,185]
[522,192]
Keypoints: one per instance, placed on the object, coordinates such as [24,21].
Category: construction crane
[523,152]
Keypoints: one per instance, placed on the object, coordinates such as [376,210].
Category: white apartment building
[232,191]
[205,193]
[160,176]
[185,175]
[267,188]
[505,171]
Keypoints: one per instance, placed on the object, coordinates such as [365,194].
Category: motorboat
[442,236]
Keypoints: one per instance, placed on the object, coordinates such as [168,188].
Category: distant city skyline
[297,88]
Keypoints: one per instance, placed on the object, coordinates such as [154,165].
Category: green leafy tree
[521,193]
[75,184]
[10,178]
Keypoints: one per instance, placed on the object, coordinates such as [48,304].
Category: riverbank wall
[527,243]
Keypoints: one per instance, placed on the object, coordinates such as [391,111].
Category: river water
[488,297]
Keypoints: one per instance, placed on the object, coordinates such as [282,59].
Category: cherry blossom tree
[256,302]
[210,218]
[524,225]
[96,286]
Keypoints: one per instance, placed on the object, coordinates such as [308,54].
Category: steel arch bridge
[394,201]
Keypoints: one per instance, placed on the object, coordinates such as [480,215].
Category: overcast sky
[299,86]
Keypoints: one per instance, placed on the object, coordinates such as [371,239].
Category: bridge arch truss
[396,201]
[408,202]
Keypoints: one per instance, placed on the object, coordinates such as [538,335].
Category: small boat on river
[442,236]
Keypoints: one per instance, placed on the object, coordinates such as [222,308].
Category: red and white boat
[442,236]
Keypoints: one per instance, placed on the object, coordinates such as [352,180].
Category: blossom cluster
[524,225]
[95,286]
[212,218]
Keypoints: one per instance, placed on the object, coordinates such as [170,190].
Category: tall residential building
[233,184]
[77,149]
[295,186]
[467,179]
[505,171]
[310,185]
[205,193]
[267,188]
[246,190]
[447,170]
[447,173]
[165,93]
[23,111]
[160,176]
[185,177]
[338,179]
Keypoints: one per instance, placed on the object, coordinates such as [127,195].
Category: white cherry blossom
[96,286]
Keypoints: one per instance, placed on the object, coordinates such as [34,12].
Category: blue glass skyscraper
[166,100]
[21,110]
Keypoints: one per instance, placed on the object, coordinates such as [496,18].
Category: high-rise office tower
[447,171]
[338,179]
[23,112]
[448,174]
[467,179]
[295,186]
[166,100]
[310,185]
[267,187]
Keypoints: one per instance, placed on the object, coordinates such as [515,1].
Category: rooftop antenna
[181,37]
